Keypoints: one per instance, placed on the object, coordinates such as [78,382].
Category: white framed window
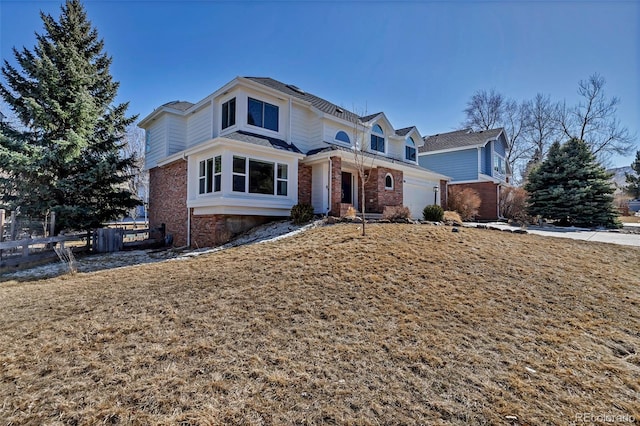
[210,175]
[229,113]
[499,164]
[262,114]
[410,149]
[342,136]
[239,174]
[260,176]
[377,139]
[388,181]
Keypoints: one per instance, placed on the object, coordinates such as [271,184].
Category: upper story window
[229,113]
[343,137]
[499,164]
[147,141]
[262,114]
[377,139]
[410,149]
[210,175]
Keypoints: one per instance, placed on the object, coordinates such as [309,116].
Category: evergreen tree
[571,187]
[66,156]
[633,182]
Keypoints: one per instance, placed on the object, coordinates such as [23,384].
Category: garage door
[417,195]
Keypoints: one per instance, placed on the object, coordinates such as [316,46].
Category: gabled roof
[261,140]
[405,131]
[179,105]
[319,103]
[369,117]
[459,139]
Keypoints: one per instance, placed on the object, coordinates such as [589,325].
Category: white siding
[301,123]
[176,134]
[199,126]
[319,190]
[395,149]
[157,143]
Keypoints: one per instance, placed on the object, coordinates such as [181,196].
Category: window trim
[234,174]
[379,138]
[389,176]
[348,141]
[225,122]
[410,144]
[276,176]
[207,182]
[496,164]
[263,114]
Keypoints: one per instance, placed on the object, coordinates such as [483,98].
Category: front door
[347,190]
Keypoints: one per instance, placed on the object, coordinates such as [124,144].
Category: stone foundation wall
[214,230]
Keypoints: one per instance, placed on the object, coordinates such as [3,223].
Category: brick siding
[377,196]
[168,200]
[214,230]
[488,192]
[336,185]
[304,184]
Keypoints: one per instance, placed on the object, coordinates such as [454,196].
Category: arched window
[343,137]
[377,139]
[410,149]
[388,181]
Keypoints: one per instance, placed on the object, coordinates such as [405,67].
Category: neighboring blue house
[472,159]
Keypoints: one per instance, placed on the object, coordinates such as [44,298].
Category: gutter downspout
[329,186]
[189,211]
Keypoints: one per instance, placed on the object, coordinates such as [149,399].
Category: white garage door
[417,195]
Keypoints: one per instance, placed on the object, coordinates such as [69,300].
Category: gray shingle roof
[179,105]
[403,132]
[261,140]
[369,117]
[332,147]
[319,103]
[458,139]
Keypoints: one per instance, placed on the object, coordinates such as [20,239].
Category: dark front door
[346,188]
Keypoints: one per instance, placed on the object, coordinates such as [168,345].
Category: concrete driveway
[612,237]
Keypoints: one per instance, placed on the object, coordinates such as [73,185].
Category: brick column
[304,184]
[336,185]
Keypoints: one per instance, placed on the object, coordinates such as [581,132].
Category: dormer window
[229,113]
[410,149]
[377,139]
[343,137]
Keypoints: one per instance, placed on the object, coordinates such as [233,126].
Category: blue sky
[418,61]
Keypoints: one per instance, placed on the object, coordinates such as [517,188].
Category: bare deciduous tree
[541,128]
[363,161]
[490,110]
[484,110]
[594,120]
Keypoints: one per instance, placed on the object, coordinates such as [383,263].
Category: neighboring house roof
[261,140]
[461,139]
[319,103]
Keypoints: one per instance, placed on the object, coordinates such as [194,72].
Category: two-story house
[473,159]
[254,148]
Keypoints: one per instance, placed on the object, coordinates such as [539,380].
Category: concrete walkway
[572,232]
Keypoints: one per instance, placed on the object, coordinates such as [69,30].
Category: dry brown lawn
[412,324]
[629,219]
